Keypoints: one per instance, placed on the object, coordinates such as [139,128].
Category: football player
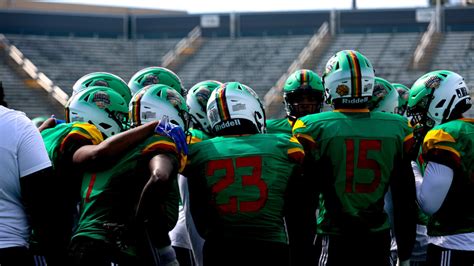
[239,182]
[437,101]
[128,208]
[303,94]
[184,237]
[92,115]
[356,156]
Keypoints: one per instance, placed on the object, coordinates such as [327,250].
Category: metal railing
[32,71]
[274,94]
[425,41]
[172,56]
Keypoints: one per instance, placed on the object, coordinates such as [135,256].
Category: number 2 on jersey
[234,205]
[365,145]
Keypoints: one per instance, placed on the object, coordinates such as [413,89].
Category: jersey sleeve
[196,136]
[80,134]
[295,151]
[440,146]
[303,133]
[32,155]
[161,144]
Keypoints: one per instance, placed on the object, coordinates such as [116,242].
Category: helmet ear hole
[105,126]
[441,103]
[200,115]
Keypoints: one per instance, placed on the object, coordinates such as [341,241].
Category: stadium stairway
[24,95]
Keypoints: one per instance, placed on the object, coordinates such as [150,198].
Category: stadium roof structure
[51,6]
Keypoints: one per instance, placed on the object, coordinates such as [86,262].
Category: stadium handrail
[420,50]
[32,71]
[274,94]
[172,56]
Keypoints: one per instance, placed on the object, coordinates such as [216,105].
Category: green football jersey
[359,149]
[110,196]
[452,144]
[61,142]
[282,125]
[196,135]
[246,179]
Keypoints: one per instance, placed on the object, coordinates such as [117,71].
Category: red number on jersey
[362,163]
[234,205]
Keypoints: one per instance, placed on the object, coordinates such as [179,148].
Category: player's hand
[176,133]
[419,133]
[57,121]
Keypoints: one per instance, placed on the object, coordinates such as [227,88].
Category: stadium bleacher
[255,61]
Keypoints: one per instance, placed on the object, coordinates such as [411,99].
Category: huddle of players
[253,196]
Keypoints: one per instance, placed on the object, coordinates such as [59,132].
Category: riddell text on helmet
[227,124]
[355,100]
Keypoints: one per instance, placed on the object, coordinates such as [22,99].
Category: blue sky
[210,6]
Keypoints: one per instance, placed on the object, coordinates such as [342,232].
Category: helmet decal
[238,107]
[222,104]
[174,98]
[433,82]
[149,80]
[102,83]
[136,107]
[330,65]
[356,75]
[403,94]
[202,95]
[379,91]
[342,90]
[304,78]
[101,99]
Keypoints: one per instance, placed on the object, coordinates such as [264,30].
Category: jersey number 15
[352,186]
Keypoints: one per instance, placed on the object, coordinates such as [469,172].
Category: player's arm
[432,191]
[443,159]
[402,186]
[94,157]
[199,199]
[48,123]
[163,168]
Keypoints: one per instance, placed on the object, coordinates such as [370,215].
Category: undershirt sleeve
[434,187]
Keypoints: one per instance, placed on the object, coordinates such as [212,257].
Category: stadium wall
[245,24]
